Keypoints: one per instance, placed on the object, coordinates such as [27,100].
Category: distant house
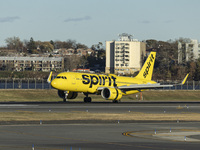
[80,52]
[83,52]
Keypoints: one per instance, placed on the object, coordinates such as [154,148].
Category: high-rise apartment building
[188,51]
[124,56]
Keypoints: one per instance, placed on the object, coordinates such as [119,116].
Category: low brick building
[31,63]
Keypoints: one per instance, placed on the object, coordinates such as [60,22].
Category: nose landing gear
[87,99]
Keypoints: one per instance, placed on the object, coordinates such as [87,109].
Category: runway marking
[179,107]
[178,135]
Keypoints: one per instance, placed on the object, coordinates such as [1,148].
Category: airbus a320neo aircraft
[111,87]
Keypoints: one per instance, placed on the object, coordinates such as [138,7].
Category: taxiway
[101,135]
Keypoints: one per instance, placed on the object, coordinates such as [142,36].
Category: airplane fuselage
[89,83]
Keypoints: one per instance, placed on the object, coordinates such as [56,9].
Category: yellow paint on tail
[183,82]
[49,78]
[147,69]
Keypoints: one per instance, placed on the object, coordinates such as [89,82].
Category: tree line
[166,65]
[34,47]
[70,62]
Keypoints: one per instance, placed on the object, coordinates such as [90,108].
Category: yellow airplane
[111,87]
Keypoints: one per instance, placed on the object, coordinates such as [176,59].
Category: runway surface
[94,137]
[145,107]
[102,136]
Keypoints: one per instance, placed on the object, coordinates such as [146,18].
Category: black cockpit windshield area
[61,77]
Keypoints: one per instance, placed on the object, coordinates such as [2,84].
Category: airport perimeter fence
[42,84]
[24,84]
[189,85]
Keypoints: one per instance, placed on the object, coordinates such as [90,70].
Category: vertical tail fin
[147,69]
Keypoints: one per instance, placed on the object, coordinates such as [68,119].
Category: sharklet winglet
[49,78]
[183,82]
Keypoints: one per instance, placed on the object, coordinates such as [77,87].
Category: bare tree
[14,43]
[71,62]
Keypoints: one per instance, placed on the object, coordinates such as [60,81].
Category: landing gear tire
[87,99]
[115,101]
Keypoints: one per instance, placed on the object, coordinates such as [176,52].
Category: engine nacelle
[71,95]
[111,94]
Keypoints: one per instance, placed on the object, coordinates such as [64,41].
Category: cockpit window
[63,77]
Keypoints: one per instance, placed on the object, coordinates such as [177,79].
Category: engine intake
[111,94]
[71,95]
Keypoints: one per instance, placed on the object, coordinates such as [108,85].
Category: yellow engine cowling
[111,94]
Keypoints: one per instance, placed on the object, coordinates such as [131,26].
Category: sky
[92,21]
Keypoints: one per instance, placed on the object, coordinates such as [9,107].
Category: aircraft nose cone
[54,84]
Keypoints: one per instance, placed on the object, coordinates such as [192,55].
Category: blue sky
[93,21]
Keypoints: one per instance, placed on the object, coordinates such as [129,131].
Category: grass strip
[36,95]
[48,116]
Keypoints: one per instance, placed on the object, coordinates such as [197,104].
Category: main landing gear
[87,99]
[115,101]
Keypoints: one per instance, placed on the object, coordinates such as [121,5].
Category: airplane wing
[144,86]
[139,86]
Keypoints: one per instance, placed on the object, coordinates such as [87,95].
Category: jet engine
[70,95]
[111,94]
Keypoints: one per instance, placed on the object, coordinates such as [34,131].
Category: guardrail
[42,84]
